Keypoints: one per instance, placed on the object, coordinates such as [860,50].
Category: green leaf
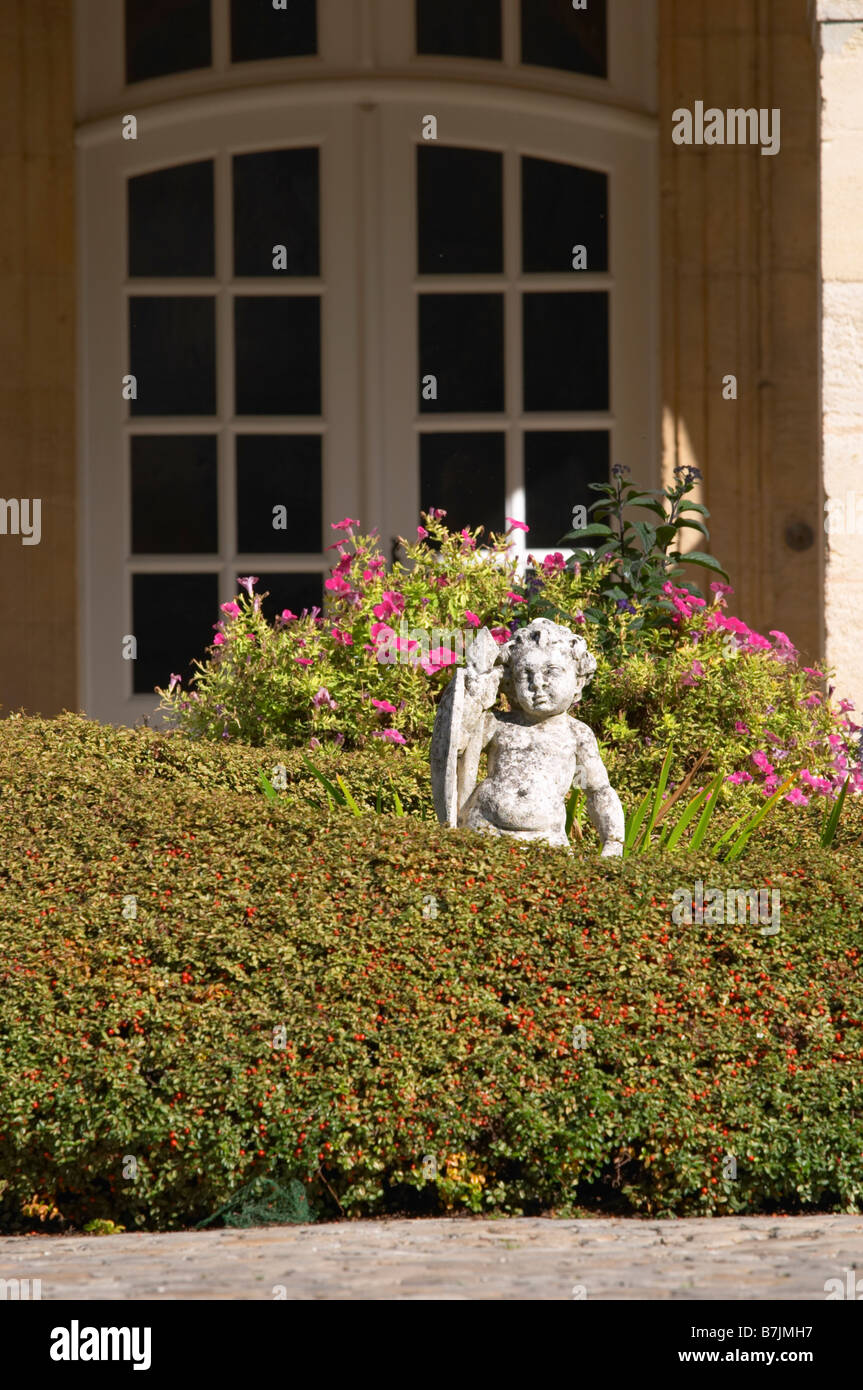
[699,557]
[646,534]
[657,797]
[635,824]
[594,531]
[325,782]
[743,838]
[267,786]
[397,801]
[688,815]
[349,800]
[831,820]
[693,507]
[706,812]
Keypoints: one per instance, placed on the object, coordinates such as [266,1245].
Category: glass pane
[174,494]
[558,465]
[276,204]
[459,211]
[466,475]
[171,221]
[563,207]
[566,351]
[172,352]
[459,28]
[264,29]
[172,618]
[165,36]
[293,591]
[554,35]
[278,355]
[461,346]
[279,506]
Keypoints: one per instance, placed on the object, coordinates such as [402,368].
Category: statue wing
[446,735]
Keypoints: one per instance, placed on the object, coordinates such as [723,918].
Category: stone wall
[38,626]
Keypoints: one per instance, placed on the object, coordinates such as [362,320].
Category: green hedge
[430,985]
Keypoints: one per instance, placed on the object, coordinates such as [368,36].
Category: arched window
[296,305]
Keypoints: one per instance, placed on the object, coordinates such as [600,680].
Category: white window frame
[367,123]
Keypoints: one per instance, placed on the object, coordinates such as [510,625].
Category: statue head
[545,668]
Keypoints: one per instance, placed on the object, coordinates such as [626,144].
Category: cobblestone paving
[729,1258]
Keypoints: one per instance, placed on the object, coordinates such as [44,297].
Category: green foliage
[428,983]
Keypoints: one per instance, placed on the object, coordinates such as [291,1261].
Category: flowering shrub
[673,666]
[401,1018]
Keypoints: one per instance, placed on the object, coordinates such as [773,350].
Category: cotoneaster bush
[429,984]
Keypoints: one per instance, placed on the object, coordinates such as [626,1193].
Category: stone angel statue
[536,751]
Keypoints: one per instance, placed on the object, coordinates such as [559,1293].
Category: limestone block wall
[740,296]
[38,601]
[839,37]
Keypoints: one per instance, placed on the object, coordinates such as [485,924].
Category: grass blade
[644,839]
[690,812]
[831,820]
[397,801]
[743,838]
[635,824]
[267,787]
[349,800]
[325,782]
[379,799]
[706,812]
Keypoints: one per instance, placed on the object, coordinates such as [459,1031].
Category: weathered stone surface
[536,751]
[736,1258]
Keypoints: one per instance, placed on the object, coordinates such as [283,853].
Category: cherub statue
[536,752]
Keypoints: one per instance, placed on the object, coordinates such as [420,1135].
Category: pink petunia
[517,525]
[422,533]
[471,618]
[740,727]
[391,735]
[501,634]
[437,660]
[735,778]
[384,706]
[344,525]
[762,762]
[514,598]
[796,797]
[392,605]
[219,640]
[694,673]
[303,660]
[232,609]
[248,583]
[287,616]
[343,638]
[553,562]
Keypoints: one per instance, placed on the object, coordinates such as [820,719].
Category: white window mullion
[226,450]
[515,493]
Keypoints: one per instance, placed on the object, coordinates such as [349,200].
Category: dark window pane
[172,349]
[459,28]
[174,494]
[466,475]
[173,616]
[293,591]
[259,30]
[278,355]
[554,35]
[165,36]
[461,345]
[171,221]
[558,465]
[566,351]
[459,211]
[562,206]
[275,471]
[276,203]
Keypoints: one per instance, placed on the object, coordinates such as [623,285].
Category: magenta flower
[232,609]
[553,562]
[421,533]
[735,778]
[517,525]
[436,513]
[391,735]
[337,585]
[501,634]
[303,660]
[693,674]
[740,727]
[175,680]
[471,618]
[762,762]
[344,638]
[811,671]
[845,706]
[287,616]
[219,640]
[392,605]
[323,697]
[314,743]
[796,797]
[437,660]
[248,583]
[514,598]
[384,706]
[344,525]
[812,701]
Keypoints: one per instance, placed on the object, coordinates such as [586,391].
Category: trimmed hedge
[428,987]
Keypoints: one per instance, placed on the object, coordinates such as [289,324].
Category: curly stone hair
[543,633]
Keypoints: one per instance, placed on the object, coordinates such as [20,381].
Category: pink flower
[735,778]
[337,585]
[314,743]
[501,634]
[248,583]
[384,706]
[303,660]
[693,674]
[344,638]
[845,706]
[437,660]
[232,609]
[382,632]
[812,701]
[740,727]
[175,680]
[421,533]
[287,616]
[796,797]
[811,671]
[322,698]
[218,640]
[517,525]
[343,525]
[471,618]
[344,565]
[514,598]
[391,735]
[436,513]
[392,605]
[553,562]
[762,762]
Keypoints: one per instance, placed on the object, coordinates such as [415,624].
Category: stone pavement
[521,1258]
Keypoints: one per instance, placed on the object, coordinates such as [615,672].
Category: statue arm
[603,804]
